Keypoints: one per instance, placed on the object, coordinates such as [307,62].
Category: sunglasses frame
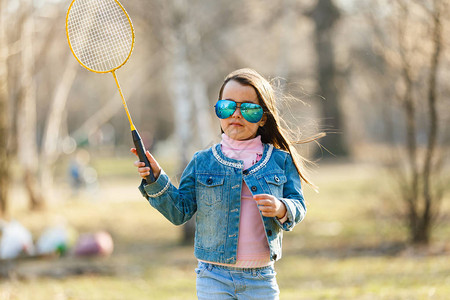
[248,117]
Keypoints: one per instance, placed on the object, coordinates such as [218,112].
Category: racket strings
[100,33]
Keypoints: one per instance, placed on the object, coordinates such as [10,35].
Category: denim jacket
[211,187]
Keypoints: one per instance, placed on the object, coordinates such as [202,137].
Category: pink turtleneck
[253,249]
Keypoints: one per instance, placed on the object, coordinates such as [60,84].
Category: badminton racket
[101,37]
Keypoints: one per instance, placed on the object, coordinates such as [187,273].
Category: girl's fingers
[144,172]
[262,196]
[267,207]
[150,157]
[264,202]
[156,169]
[267,211]
[270,206]
[139,163]
[154,164]
[143,169]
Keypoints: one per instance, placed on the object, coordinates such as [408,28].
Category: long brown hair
[272,132]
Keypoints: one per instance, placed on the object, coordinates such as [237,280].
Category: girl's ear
[263,120]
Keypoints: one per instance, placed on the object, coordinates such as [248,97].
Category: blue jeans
[218,282]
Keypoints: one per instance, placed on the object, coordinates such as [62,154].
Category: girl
[245,191]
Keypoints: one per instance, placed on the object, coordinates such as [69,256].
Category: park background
[372,74]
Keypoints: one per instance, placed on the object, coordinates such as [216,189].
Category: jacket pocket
[210,229]
[210,188]
[275,182]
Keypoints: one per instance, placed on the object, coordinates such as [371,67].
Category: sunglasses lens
[225,108]
[252,112]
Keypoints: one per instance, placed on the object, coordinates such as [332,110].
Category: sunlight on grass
[350,246]
[364,278]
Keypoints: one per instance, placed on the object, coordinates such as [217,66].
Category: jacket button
[277,179]
[209,181]
[269,232]
[254,188]
[245,172]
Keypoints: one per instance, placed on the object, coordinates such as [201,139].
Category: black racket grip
[140,149]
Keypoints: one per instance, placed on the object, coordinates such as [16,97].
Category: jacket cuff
[286,223]
[142,188]
[283,219]
[157,188]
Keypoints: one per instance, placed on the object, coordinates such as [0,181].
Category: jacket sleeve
[292,197]
[178,205]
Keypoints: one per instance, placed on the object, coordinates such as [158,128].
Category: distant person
[81,174]
[245,191]
[76,176]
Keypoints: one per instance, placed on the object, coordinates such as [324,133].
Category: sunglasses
[250,111]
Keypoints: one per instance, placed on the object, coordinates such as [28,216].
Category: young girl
[245,191]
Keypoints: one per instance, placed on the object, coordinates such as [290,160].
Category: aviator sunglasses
[250,111]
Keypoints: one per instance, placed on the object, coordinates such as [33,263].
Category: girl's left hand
[270,206]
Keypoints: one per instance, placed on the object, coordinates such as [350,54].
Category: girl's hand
[270,206]
[142,169]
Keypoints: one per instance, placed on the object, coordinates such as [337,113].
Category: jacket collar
[239,164]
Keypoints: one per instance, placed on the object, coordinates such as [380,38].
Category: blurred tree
[417,61]
[4,115]
[423,204]
[36,155]
[325,15]
[52,135]
[26,112]
[181,36]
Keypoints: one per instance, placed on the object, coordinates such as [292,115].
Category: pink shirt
[253,249]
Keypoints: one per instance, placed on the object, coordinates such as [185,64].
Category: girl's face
[236,127]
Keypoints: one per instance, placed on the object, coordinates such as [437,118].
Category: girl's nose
[237,112]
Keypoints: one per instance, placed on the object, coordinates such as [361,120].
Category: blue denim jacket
[211,187]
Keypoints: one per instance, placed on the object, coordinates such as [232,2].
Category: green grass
[350,246]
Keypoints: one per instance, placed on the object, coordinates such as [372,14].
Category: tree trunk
[411,189]
[189,92]
[4,117]
[179,74]
[423,234]
[422,199]
[26,116]
[52,135]
[325,16]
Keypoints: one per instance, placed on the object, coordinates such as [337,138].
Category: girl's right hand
[142,169]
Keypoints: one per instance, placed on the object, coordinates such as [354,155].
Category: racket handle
[140,149]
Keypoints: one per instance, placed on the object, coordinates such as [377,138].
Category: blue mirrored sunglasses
[250,111]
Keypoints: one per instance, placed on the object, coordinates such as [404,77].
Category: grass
[350,246]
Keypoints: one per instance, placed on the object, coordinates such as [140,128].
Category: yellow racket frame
[113,69]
